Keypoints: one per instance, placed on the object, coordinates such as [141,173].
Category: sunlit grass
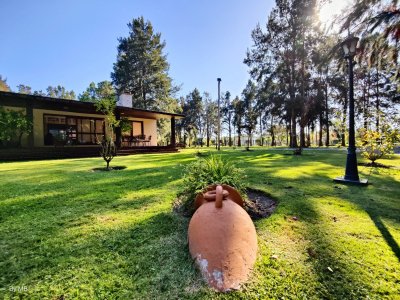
[67,231]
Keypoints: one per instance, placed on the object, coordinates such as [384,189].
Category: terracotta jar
[222,238]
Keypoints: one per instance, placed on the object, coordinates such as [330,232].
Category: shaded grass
[68,231]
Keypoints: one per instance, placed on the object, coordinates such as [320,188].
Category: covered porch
[143,131]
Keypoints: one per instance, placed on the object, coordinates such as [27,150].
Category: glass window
[72,130]
[85,125]
[99,126]
[71,121]
[137,128]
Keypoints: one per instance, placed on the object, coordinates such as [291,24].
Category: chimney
[125,100]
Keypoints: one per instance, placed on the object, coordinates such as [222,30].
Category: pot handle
[219,196]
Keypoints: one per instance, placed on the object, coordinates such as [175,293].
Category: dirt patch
[259,204]
[104,169]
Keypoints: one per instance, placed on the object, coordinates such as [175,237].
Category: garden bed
[259,205]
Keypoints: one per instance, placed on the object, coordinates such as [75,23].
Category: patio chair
[147,141]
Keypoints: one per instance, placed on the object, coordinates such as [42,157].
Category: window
[69,130]
[137,127]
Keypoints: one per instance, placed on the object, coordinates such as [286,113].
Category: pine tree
[142,68]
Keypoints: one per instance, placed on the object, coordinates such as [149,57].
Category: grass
[70,233]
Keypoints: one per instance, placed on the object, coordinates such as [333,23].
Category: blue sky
[72,43]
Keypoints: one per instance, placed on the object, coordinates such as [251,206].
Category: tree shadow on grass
[385,233]
[35,227]
[147,259]
[338,276]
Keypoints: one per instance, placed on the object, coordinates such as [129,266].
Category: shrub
[207,171]
[374,145]
[13,125]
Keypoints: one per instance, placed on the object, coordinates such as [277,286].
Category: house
[70,128]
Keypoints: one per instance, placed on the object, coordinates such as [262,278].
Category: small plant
[108,147]
[108,151]
[207,171]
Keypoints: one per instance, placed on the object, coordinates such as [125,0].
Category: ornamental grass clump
[204,172]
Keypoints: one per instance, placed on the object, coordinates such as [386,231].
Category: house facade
[75,125]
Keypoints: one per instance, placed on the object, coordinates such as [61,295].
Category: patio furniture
[139,139]
[147,141]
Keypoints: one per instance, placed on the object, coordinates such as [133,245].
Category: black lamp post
[349,47]
[219,116]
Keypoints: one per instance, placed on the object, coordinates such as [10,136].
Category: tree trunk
[230,129]
[287,134]
[365,101]
[377,101]
[303,95]
[321,124]
[293,134]
[261,134]
[302,135]
[273,142]
[326,116]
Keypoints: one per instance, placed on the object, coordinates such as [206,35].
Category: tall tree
[238,119]
[282,55]
[250,114]
[142,68]
[227,113]
[210,117]
[193,110]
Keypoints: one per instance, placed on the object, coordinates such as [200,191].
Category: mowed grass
[70,233]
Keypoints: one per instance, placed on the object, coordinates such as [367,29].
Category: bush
[13,125]
[207,171]
[374,145]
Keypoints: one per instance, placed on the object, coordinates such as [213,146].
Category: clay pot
[222,240]
[233,195]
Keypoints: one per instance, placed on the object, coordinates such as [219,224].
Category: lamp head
[349,46]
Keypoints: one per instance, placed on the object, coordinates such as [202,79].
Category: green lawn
[70,233]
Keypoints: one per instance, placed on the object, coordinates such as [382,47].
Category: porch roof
[42,102]
[146,114]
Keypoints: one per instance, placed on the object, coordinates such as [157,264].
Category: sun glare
[331,10]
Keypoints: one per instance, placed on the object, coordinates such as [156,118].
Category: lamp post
[349,47]
[219,115]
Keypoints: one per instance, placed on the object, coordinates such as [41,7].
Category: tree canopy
[4,87]
[103,90]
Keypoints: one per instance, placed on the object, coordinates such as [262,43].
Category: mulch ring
[375,165]
[104,169]
[259,205]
